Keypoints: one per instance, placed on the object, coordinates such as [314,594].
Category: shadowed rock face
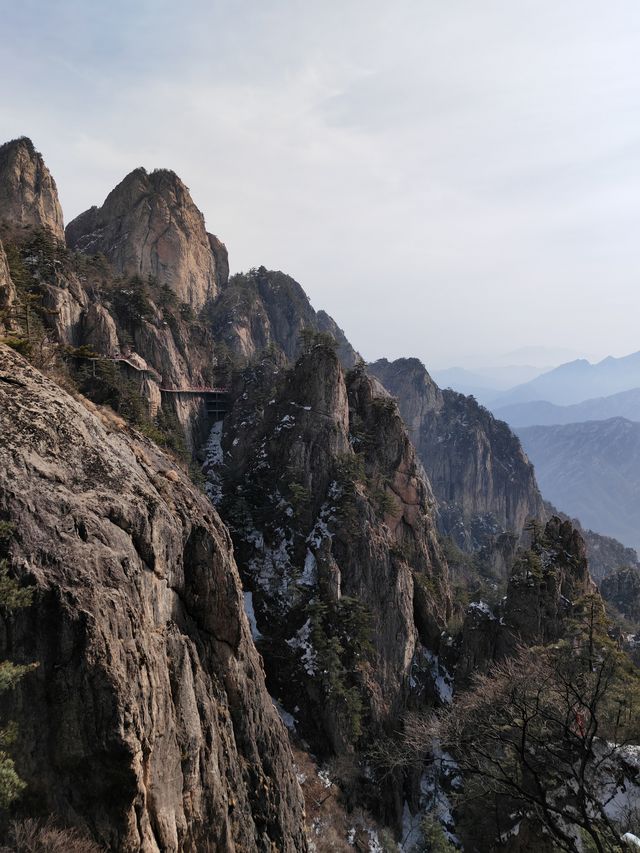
[547,588]
[480,475]
[622,589]
[332,521]
[149,226]
[7,291]
[28,193]
[147,721]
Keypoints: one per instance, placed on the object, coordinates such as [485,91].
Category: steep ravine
[147,721]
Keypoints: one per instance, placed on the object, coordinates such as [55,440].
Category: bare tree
[544,737]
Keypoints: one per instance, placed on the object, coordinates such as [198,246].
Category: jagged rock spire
[28,193]
[149,225]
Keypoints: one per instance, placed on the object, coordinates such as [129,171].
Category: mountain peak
[150,226]
[28,193]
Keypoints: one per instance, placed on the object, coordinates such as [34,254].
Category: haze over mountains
[579,424]
[577,381]
[591,470]
[626,404]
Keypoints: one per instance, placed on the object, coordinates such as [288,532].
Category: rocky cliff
[7,293]
[149,226]
[547,588]
[147,721]
[267,310]
[332,520]
[480,475]
[622,589]
[28,193]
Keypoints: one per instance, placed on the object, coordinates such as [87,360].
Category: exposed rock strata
[547,587]
[147,721]
[28,193]
[149,226]
[343,531]
[480,475]
[7,293]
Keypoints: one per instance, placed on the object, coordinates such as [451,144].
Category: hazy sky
[448,178]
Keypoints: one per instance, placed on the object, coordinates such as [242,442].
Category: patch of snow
[323,776]
[411,832]
[289,721]
[251,614]
[301,641]
[442,679]
[309,573]
[213,461]
[481,607]
[374,842]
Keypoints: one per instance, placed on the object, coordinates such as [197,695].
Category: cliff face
[481,477]
[622,589]
[333,526]
[147,720]
[149,226]
[28,193]
[547,587]
[7,293]
[264,309]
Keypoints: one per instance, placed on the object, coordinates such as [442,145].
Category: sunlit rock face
[147,721]
[28,193]
[150,226]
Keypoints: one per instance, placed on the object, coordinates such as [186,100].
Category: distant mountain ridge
[625,404]
[591,470]
[577,381]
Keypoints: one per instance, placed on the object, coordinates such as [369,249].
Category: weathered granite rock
[221,257]
[480,475]
[546,582]
[622,589]
[264,309]
[333,525]
[149,226]
[7,293]
[548,585]
[28,193]
[147,721]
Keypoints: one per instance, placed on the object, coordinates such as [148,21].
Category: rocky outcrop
[7,294]
[339,550]
[622,589]
[28,193]
[548,586]
[147,721]
[546,583]
[267,310]
[480,475]
[605,555]
[149,226]
[221,257]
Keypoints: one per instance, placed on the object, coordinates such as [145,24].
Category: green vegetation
[340,635]
[131,302]
[12,597]
[310,339]
[434,839]
[29,265]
